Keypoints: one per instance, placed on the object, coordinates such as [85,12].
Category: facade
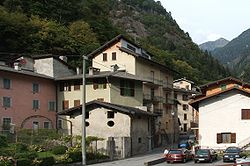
[223,114]
[28,99]
[128,127]
[157,90]
[188,116]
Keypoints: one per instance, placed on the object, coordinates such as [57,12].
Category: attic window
[131,48]
[113,56]
[110,114]
[104,56]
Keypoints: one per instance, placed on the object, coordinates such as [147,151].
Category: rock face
[212,45]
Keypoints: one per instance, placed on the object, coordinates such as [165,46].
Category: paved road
[215,163]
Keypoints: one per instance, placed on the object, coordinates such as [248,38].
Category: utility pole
[83,112]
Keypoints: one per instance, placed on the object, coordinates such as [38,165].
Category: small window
[35,88]
[110,123]
[127,88]
[131,48]
[65,86]
[110,114]
[46,125]
[6,123]
[185,107]
[86,115]
[35,125]
[6,83]
[113,56]
[99,84]
[65,104]
[185,116]
[52,106]
[35,104]
[76,103]
[185,127]
[77,85]
[184,97]
[139,140]
[223,86]
[86,124]
[104,56]
[245,114]
[226,137]
[6,102]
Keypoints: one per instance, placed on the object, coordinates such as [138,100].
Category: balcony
[167,86]
[150,81]
[149,97]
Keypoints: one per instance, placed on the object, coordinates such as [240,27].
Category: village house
[224,109]
[21,79]
[188,117]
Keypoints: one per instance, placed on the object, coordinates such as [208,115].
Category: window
[152,93]
[99,84]
[245,114]
[35,104]
[65,86]
[35,125]
[46,125]
[76,103]
[139,140]
[6,102]
[152,74]
[77,85]
[35,88]
[52,106]
[185,127]
[110,114]
[104,56]
[6,83]
[113,56]
[131,48]
[86,115]
[185,107]
[184,97]
[223,86]
[65,104]
[127,88]
[59,124]
[226,137]
[185,116]
[6,123]
[110,123]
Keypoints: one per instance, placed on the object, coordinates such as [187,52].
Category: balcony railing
[149,97]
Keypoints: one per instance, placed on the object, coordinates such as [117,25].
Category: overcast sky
[208,20]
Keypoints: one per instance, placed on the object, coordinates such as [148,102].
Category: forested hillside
[236,55]
[80,26]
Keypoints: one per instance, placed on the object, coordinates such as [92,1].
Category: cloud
[201,36]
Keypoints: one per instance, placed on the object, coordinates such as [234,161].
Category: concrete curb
[154,162]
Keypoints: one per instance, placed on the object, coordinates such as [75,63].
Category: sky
[208,20]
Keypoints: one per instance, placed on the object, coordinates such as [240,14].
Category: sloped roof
[117,74]
[195,102]
[25,72]
[99,104]
[223,80]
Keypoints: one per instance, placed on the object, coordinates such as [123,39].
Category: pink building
[27,99]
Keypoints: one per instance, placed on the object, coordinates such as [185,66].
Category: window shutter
[76,103]
[65,104]
[76,87]
[233,137]
[219,138]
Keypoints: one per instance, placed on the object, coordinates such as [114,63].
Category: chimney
[93,71]
[17,66]
[77,70]
[114,68]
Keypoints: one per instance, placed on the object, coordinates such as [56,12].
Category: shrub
[8,151]
[59,150]
[45,161]
[23,162]
[75,156]
[26,155]
[21,147]
[3,141]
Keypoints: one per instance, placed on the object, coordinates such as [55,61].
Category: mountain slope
[60,27]
[236,55]
[211,45]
